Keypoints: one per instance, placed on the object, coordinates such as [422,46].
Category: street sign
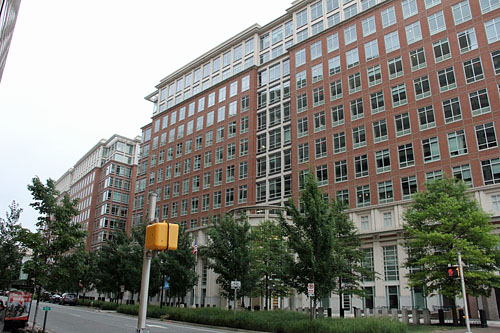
[235,284]
[46,308]
[310,289]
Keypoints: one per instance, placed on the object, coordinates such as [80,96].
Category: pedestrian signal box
[162,236]
[453,272]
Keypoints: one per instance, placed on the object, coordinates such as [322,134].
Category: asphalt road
[65,318]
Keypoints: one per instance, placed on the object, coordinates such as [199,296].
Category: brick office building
[103,180]
[376,97]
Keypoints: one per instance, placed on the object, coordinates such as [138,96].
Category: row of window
[384,189]
[200,105]
[457,145]
[201,122]
[205,203]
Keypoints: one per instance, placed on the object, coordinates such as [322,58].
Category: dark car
[68,298]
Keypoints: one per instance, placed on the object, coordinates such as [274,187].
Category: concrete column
[404,315]
[395,314]
[415,316]
[427,317]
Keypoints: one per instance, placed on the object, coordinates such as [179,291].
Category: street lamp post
[146,266]
[462,281]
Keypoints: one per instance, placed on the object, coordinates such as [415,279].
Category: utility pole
[462,280]
[146,266]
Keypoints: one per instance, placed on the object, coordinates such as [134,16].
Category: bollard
[482,318]
[357,313]
[415,316]
[441,316]
[427,317]
[385,311]
[395,314]
[404,315]
[329,311]
[320,312]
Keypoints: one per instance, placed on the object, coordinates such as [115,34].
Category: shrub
[280,321]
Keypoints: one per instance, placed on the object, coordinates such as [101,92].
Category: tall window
[413,32]
[430,149]
[467,40]
[473,70]
[436,22]
[391,266]
[491,171]
[457,144]
[391,41]
[361,166]
[451,109]
[406,157]
[486,137]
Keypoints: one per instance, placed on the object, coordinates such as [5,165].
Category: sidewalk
[493,327]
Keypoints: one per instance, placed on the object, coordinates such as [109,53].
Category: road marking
[157,326]
[76,315]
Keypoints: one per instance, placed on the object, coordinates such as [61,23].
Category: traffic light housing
[453,272]
[162,236]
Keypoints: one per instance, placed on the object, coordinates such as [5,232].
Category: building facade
[375,97]
[102,181]
[8,17]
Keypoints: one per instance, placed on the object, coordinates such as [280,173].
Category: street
[64,318]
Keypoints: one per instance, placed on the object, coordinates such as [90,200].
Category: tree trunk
[36,307]
[341,303]
[267,293]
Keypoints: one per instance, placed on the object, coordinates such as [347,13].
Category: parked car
[55,298]
[68,298]
[45,297]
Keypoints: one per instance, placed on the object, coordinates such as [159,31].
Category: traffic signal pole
[146,266]
[462,280]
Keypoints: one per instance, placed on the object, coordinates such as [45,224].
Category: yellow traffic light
[161,236]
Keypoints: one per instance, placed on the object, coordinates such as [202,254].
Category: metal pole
[162,287]
[146,266]
[44,321]
[462,280]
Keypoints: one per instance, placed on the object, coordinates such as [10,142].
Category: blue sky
[78,71]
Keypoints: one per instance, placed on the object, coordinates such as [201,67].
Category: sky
[78,71]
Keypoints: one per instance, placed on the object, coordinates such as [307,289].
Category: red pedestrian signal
[453,272]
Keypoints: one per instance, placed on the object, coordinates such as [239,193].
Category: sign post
[46,309]
[310,293]
[235,285]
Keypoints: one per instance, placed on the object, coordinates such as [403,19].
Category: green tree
[120,263]
[74,272]
[55,234]
[271,256]
[443,220]
[327,247]
[11,252]
[230,253]
[348,269]
[179,267]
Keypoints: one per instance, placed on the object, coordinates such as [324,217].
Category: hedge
[269,321]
